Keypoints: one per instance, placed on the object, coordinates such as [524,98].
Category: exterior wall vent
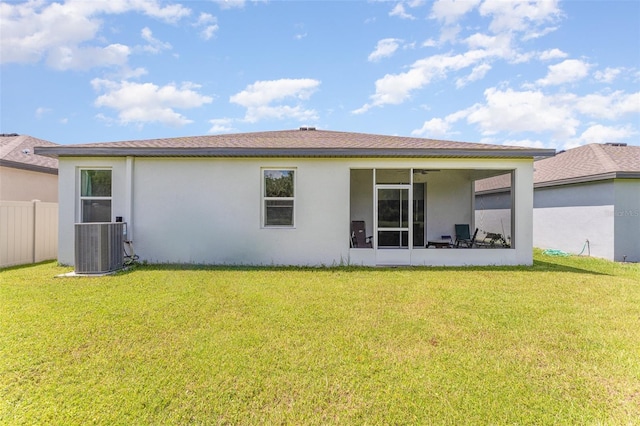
[99,247]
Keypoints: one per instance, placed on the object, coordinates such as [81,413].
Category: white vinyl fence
[28,232]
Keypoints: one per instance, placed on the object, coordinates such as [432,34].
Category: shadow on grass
[538,266]
[25,266]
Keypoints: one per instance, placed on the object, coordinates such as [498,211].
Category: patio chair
[359,237]
[463,236]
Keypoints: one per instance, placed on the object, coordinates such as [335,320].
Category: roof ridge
[604,158]
[15,143]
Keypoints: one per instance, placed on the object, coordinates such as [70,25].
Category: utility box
[99,247]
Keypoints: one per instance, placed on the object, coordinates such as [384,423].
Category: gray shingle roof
[316,143]
[583,164]
[18,151]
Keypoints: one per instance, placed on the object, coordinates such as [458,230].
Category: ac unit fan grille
[99,247]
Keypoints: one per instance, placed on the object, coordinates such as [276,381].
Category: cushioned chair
[463,236]
[359,237]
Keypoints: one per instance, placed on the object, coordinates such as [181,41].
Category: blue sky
[546,73]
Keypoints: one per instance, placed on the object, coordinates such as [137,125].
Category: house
[290,197]
[28,201]
[586,201]
[24,175]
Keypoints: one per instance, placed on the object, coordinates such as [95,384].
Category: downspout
[513,210]
[130,161]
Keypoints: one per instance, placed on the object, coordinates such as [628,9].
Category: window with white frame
[278,197]
[95,195]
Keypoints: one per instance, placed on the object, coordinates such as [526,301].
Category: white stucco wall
[568,229]
[361,198]
[449,201]
[565,217]
[627,220]
[68,195]
[497,221]
[208,210]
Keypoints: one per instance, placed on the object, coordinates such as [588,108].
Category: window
[278,198]
[95,195]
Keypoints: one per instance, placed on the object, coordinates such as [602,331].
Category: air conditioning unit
[99,247]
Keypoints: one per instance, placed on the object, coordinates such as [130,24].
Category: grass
[556,343]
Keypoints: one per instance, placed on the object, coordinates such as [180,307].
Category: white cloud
[84,58]
[59,32]
[516,112]
[384,49]
[146,102]
[210,24]
[127,73]
[477,73]
[527,111]
[598,133]
[498,46]
[567,71]
[609,106]
[155,45]
[400,12]
[451,11]
[260,96]
[41,111]
[552,54]
[438,127]
[527,143]
[221,125]
[429,43]
[519,16]
[483,48]
[434,128]
[209,31]
[533,34]
[608,75]
[230,4]
[396,88]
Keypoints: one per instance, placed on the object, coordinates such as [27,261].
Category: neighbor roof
[17,151]
[306,142]
[583,164]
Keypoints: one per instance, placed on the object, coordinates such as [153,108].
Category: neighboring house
[28,201]
[586,201]
[289,197]
[24,175]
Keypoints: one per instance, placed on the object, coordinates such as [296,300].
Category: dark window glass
[95,183]
[278,213]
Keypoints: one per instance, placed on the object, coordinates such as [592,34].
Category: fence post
[35,227]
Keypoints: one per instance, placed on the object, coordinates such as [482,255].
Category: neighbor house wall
[493,214]
[627,220]
[27,185]
[565,217]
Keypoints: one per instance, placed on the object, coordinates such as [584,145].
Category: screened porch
[405,210]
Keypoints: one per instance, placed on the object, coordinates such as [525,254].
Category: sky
[538,73]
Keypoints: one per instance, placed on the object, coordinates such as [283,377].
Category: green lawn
[557,343]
